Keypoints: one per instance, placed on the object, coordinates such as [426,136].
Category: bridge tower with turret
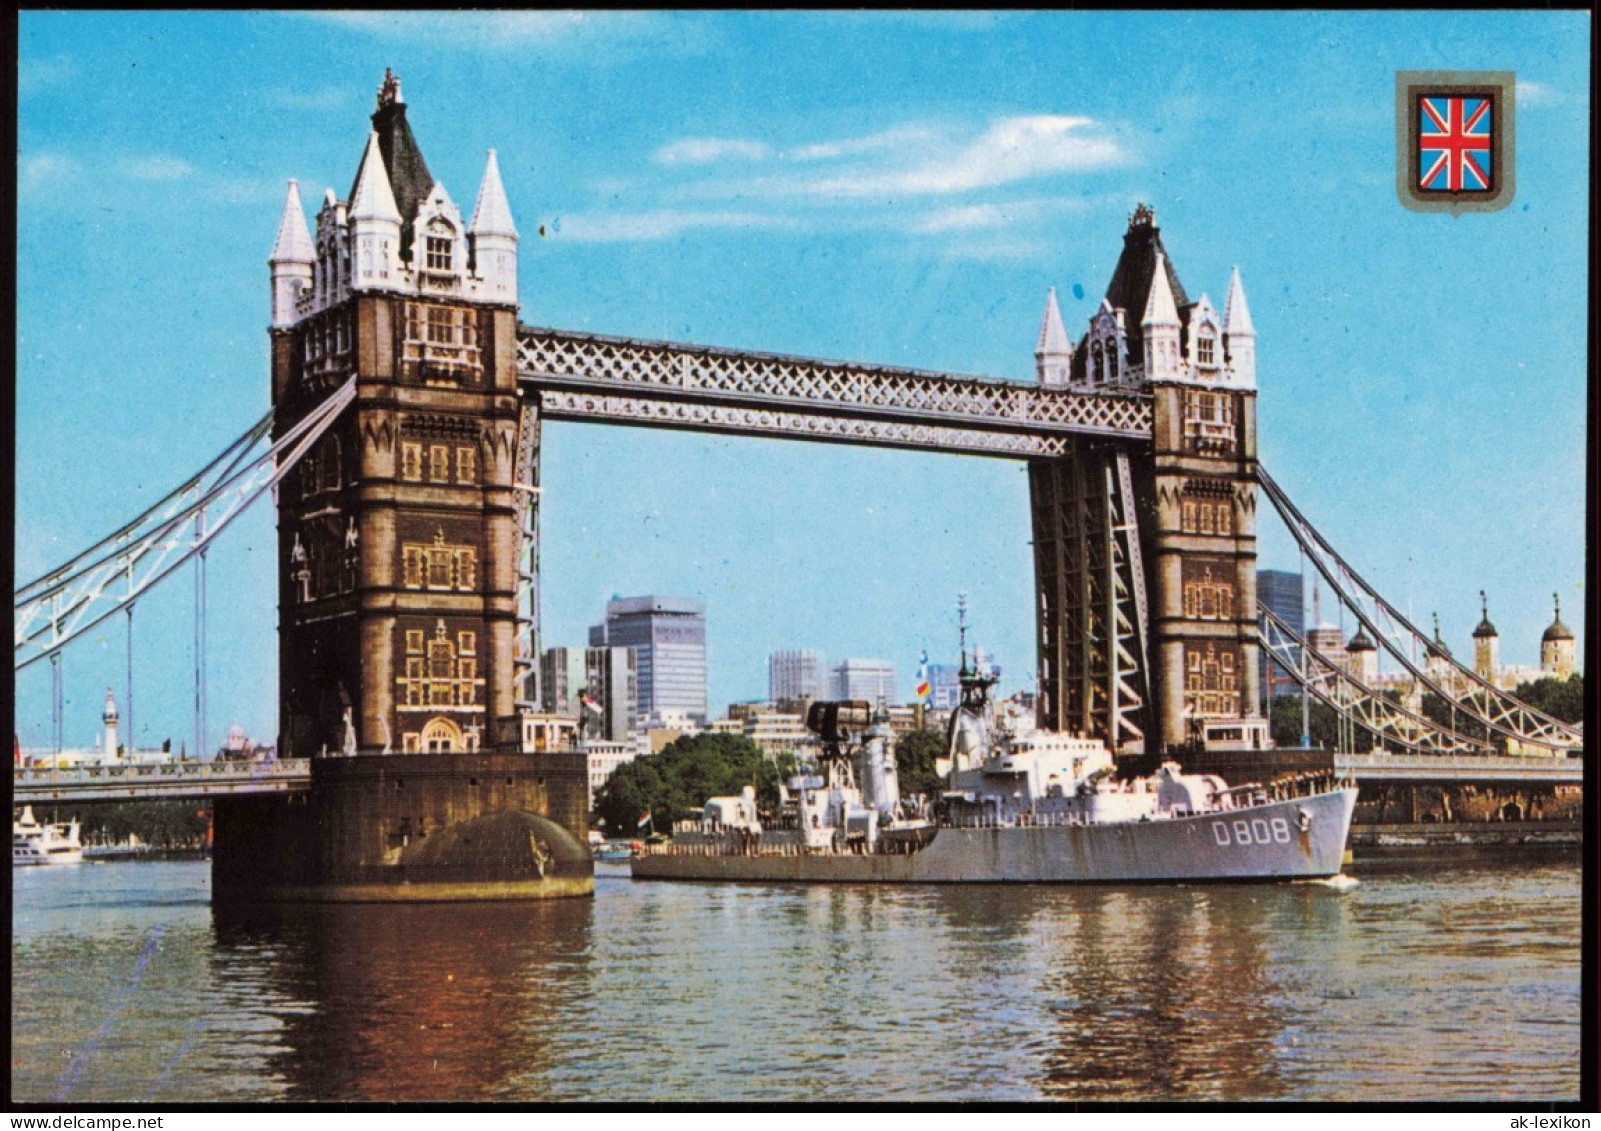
[1145,553]
[399,537]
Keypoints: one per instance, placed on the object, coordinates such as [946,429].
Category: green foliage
[1442,711]
[1560,698]
[914,762]
[1284,723]
[162,824]
[674,784]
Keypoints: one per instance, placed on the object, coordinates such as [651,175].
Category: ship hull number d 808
[1256,830]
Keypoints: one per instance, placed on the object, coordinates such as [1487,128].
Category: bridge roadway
[162,781]
[1419,769]
[180,780]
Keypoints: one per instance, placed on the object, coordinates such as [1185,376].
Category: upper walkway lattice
[667,384]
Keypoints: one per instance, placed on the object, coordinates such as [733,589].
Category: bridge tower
[1145,555]
[399,538]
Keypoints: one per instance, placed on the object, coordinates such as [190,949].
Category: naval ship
[1019,805]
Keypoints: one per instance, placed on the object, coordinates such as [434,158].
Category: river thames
[1430,980]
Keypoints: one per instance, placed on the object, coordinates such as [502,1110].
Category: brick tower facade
[399,532]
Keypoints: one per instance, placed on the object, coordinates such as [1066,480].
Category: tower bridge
[408,406]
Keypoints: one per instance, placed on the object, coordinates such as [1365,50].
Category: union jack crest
[1454,143]
[1454,136]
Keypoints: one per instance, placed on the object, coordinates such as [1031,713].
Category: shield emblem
[1454,149]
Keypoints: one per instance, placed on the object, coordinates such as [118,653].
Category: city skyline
[1438,442]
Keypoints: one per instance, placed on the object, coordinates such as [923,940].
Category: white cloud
[898,138]
[705,150]
[40,171]
[656,224]
[1010,150]
[157,168]
[1537,94]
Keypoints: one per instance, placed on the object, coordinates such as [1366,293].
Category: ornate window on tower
[438,254]
[439,343]
[1207,507]
[466,465]
[1209,589]
[440,565]
[411,461]
[437,675]
[1211,681]
[1208,421]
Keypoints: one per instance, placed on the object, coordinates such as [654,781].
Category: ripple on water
[1458,984]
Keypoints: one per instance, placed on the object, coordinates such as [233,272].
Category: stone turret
[1163,359]
[291,259]
[1557,651]
[374,223]
[492,239]
[1053,353]
[1239,335]
[1486,644]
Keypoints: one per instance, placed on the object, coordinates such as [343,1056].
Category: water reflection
[1162,993]
[1434,984]
[402,1002]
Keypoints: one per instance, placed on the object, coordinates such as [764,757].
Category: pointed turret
[409,177]
[1053,353]
[1160,309]
[291,259]
[293,244]
[1239,335]
[492,239]
[1161,326]
[1236,315]
[1130,288]
[372,198]
[492,215]
[374,223]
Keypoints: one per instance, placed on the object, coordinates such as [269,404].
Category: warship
[1018,805]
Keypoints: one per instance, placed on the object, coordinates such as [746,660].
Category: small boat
[33,843]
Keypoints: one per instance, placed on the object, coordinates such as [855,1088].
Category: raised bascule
[408,403]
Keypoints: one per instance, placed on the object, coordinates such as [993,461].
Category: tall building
[668,636]
[796,674]
[1279,591]
[870,680]
[561,677]
[944,686]
[610,693]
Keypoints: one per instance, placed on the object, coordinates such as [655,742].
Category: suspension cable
[78,600]
[1534,727]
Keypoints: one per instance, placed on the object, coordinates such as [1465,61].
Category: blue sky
[896,188]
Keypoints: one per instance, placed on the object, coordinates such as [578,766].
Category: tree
[914,762]
[1562,699]
[674,784]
